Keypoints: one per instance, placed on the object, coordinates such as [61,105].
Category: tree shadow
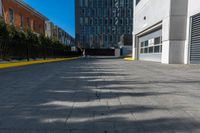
[74,101]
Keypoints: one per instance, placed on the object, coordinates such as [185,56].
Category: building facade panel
[101,23]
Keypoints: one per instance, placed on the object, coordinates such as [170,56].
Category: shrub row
[19,44]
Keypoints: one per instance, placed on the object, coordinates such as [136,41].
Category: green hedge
[18,44]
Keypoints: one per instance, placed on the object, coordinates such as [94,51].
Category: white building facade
[167,31]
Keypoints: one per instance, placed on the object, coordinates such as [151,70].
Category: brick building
[22,16]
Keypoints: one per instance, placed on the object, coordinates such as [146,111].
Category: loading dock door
[150,46]
[195,40]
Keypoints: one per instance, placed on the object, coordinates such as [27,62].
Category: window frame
[13,16]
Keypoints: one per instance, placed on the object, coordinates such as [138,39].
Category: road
[100,96]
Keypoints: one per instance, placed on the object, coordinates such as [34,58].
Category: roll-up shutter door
[195,40]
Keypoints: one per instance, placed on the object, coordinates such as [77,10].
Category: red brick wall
[10,4]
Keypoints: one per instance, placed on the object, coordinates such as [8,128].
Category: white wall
[154,11]
[193,7]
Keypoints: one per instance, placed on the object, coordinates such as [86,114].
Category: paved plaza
[100,96]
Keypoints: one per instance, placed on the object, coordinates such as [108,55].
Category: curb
[26,63]
[129,59]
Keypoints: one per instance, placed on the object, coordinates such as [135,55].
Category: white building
[49,29]
[167,31]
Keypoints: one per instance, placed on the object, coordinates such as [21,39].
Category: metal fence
[16,49]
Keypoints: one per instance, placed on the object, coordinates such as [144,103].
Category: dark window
[21,20]
[141,50]
[11,16]
[150,49]
[142,44]
[146,50]
[146,43]
[157,40]
[157,49]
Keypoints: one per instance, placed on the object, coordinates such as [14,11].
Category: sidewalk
[4,65]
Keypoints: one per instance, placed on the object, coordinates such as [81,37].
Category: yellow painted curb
[129,59]
[25,63]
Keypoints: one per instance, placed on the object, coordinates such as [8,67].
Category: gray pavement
[100,96]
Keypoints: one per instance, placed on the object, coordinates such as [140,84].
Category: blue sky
[60,12]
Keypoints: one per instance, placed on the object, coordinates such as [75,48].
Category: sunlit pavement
[100,96]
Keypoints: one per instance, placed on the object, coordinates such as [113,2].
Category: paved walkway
[100,96]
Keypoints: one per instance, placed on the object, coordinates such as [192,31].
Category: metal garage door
[195,40]
[150,46]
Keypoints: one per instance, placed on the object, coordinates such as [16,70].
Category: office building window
[94,3]
[105,12]
[96,21]
[83,12]
[81,3]
[111,21]
[105,3]
[86,3]
[86,20]
[104,29]
[111,38]
[91,21]
[121,3]
[99,12]
[106,21]
[122,12]
[100,21]
[129,12]
[121,21]
[100,3]
[81,21]
[88,12]
[109,29]
[11,16]
[91,3]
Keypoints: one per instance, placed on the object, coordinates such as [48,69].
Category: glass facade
[101,23]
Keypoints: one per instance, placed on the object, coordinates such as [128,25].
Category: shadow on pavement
[86,96]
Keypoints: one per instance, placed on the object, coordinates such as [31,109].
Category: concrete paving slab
[100,96]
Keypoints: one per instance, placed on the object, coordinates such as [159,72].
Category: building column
[174,33]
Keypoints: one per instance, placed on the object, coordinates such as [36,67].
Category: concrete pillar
[174,33]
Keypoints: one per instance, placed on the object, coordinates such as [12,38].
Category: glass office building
[103,23]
